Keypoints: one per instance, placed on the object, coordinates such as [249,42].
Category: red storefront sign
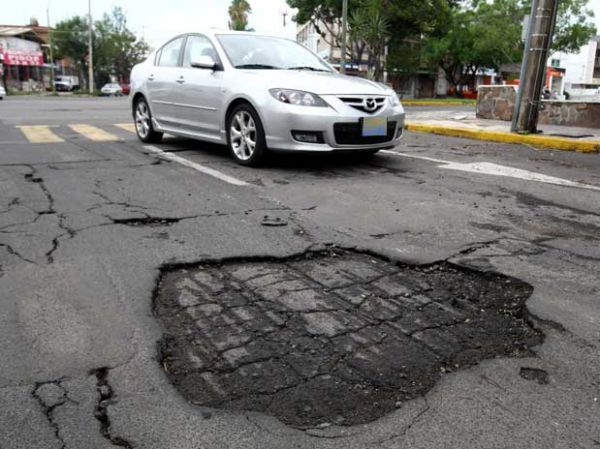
[16,57]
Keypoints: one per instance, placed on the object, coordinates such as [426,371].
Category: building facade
[23,59]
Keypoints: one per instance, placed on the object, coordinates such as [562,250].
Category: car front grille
[364,103]
[351,134]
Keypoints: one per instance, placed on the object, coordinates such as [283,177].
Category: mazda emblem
[370,104]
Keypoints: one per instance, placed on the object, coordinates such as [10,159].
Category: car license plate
[374,126]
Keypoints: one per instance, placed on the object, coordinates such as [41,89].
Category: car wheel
[246,136]
[143,123]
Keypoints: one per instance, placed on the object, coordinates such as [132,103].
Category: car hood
[320,83]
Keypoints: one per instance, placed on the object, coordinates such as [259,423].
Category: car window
[169,55]
[197,46]
[256,51]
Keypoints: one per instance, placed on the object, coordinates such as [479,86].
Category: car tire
[246,136]
[142,119]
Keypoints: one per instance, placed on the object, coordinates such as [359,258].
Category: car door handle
[151,78]
[181,80]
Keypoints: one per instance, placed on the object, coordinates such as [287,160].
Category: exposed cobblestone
[335,336]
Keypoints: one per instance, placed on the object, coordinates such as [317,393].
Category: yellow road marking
[93,133]
[126,126]
[39,134]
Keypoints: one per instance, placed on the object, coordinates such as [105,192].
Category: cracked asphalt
[88,229]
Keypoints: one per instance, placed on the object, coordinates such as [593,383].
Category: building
[591,73]
[584,66]
[23,57]
[309,36]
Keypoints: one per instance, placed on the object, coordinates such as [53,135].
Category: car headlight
[394,99]
[297,97]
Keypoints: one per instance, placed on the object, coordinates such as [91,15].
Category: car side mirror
[204,62]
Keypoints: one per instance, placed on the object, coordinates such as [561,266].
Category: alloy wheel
[142,119]
[242,134]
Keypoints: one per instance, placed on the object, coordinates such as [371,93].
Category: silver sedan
[257,93]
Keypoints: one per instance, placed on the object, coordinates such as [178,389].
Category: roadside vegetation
[460,37]
[116,48]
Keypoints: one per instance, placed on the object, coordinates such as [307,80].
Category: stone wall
[495,102]
[570,113]
[498,103]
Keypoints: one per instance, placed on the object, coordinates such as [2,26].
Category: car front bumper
[280,119]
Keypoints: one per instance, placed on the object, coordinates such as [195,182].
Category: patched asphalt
[335,337]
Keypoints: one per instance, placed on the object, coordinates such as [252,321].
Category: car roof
[219,31]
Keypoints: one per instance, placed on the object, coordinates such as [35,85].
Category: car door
[198,94]
[161,81]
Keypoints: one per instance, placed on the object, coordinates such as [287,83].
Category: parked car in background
[125,88]
[66,83]
[256,93]
[2,92]
[111,89]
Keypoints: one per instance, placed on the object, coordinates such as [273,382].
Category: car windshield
[263,52]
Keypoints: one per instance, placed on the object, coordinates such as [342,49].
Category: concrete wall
[495,102]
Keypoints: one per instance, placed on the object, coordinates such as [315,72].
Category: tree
[574,26]
[484,35]
[116,48]
[70,40]
[238,15]
[371,25]
[394,21]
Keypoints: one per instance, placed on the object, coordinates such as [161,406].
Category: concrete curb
[536,140]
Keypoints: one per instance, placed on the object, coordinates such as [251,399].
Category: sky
[158,24]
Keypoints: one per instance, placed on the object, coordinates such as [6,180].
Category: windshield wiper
[256,66]
[306,67]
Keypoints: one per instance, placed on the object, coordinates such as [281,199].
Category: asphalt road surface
[164,297]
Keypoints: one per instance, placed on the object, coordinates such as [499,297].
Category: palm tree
[238,15]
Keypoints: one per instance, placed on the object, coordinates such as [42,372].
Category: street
[444,293]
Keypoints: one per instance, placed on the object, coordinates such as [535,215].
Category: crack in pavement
[50,401]
[106,397]
[409,426]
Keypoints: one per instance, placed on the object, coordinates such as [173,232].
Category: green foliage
[70,39]
[372,25]
[116,48]
[574,26]
[238,15]
[485,35]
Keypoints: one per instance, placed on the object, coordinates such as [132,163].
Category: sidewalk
[463,123]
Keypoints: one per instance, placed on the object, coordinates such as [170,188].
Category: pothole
[334,337]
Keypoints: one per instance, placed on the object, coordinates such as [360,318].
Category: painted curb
[435,103]
[539,141]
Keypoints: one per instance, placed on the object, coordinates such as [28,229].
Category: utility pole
[344,29]
[52,76]
[533,69]
[90,50]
